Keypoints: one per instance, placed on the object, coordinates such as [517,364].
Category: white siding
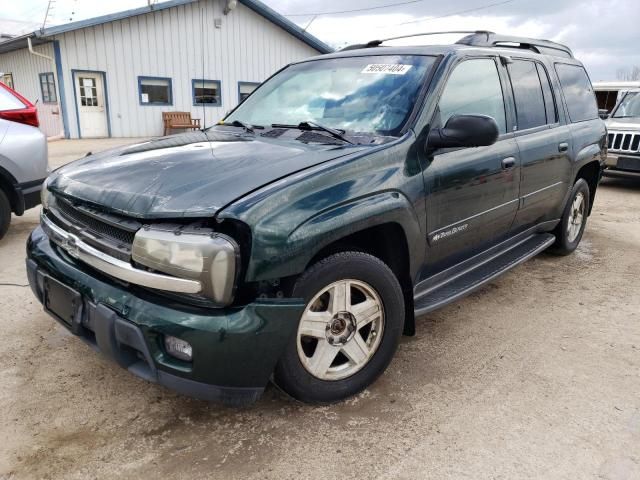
[170,43]
[25,69]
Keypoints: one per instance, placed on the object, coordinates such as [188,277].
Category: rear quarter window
[578,92]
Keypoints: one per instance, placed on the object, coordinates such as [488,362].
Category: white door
[91,105]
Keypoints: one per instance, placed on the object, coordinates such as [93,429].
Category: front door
[473,191]
[90,98]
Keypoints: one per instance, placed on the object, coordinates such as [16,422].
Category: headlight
[211,258]
[44,195]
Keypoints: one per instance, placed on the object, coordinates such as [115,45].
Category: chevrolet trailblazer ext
[298,239]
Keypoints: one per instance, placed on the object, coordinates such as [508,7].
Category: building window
[88,92]
[7,79]
[155,91]
[48,88]
[245,89]
[206,92]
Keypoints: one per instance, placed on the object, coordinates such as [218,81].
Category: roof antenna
[50,6]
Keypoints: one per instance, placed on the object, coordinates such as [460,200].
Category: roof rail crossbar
[377,43]
[490,39]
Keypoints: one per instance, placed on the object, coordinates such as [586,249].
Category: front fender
[291,253]
[327,227]
[292,221]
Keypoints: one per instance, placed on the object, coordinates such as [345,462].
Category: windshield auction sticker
[387,68]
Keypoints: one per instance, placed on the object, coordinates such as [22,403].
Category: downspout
[55,78]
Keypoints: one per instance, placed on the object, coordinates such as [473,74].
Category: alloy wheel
[340,329]
[576,217]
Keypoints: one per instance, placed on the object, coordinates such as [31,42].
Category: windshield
[629,106]
[373,95]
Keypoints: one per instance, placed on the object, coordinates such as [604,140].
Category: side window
[547,92]
[527,93]
[474,88]
[578,92]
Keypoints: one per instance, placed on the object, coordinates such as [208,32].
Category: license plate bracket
[63,303]
[629,163]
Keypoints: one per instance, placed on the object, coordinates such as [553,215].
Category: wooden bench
[182,120]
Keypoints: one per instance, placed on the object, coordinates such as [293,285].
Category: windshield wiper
[237,123]
[309,125]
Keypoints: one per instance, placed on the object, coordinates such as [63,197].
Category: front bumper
[622,165]
[28,195]
[234,349]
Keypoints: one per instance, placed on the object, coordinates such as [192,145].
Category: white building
[113,76]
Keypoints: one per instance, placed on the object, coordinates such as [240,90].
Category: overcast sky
[604,34]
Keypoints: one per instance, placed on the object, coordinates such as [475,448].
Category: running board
[475,276]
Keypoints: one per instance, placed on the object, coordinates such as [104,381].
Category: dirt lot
[536,375]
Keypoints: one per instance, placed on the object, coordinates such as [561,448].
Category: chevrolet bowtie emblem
[70,246]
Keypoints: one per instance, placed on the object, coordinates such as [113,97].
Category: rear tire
[5,214]
[348,332]
[574,219]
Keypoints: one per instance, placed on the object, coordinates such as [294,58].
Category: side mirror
[464,131]
[603,113]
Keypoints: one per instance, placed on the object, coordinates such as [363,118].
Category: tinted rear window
[578,92]
[527,91]
[8,101]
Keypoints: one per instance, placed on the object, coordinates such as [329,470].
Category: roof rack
[490,39]
[484,38]
[377,43]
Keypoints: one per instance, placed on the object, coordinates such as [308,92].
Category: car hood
[188,175]
[631,123]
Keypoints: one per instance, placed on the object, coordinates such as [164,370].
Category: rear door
[544,143]
[473,191]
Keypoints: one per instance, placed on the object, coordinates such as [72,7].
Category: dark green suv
[300,237]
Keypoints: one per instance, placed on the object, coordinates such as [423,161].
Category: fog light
[178,348]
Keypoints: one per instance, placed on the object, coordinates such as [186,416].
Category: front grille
[627,142]
[94,225]
[111,234]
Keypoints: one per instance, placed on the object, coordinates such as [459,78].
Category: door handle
[563,147]
[508,163]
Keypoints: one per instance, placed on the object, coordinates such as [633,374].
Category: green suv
[298,239]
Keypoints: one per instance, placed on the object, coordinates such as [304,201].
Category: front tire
[5,214]
[348,332]
[574,219]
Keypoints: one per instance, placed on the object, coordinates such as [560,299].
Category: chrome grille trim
[624,142]
[84,252]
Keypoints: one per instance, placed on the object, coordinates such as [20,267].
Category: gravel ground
[536,375]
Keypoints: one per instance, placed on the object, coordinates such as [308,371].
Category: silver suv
[623,159]
[23,156]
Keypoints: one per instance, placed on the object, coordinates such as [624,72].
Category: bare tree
[628,73]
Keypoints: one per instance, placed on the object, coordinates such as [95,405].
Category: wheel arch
[387,242]
[383,223]
[8,184]
[591,172]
